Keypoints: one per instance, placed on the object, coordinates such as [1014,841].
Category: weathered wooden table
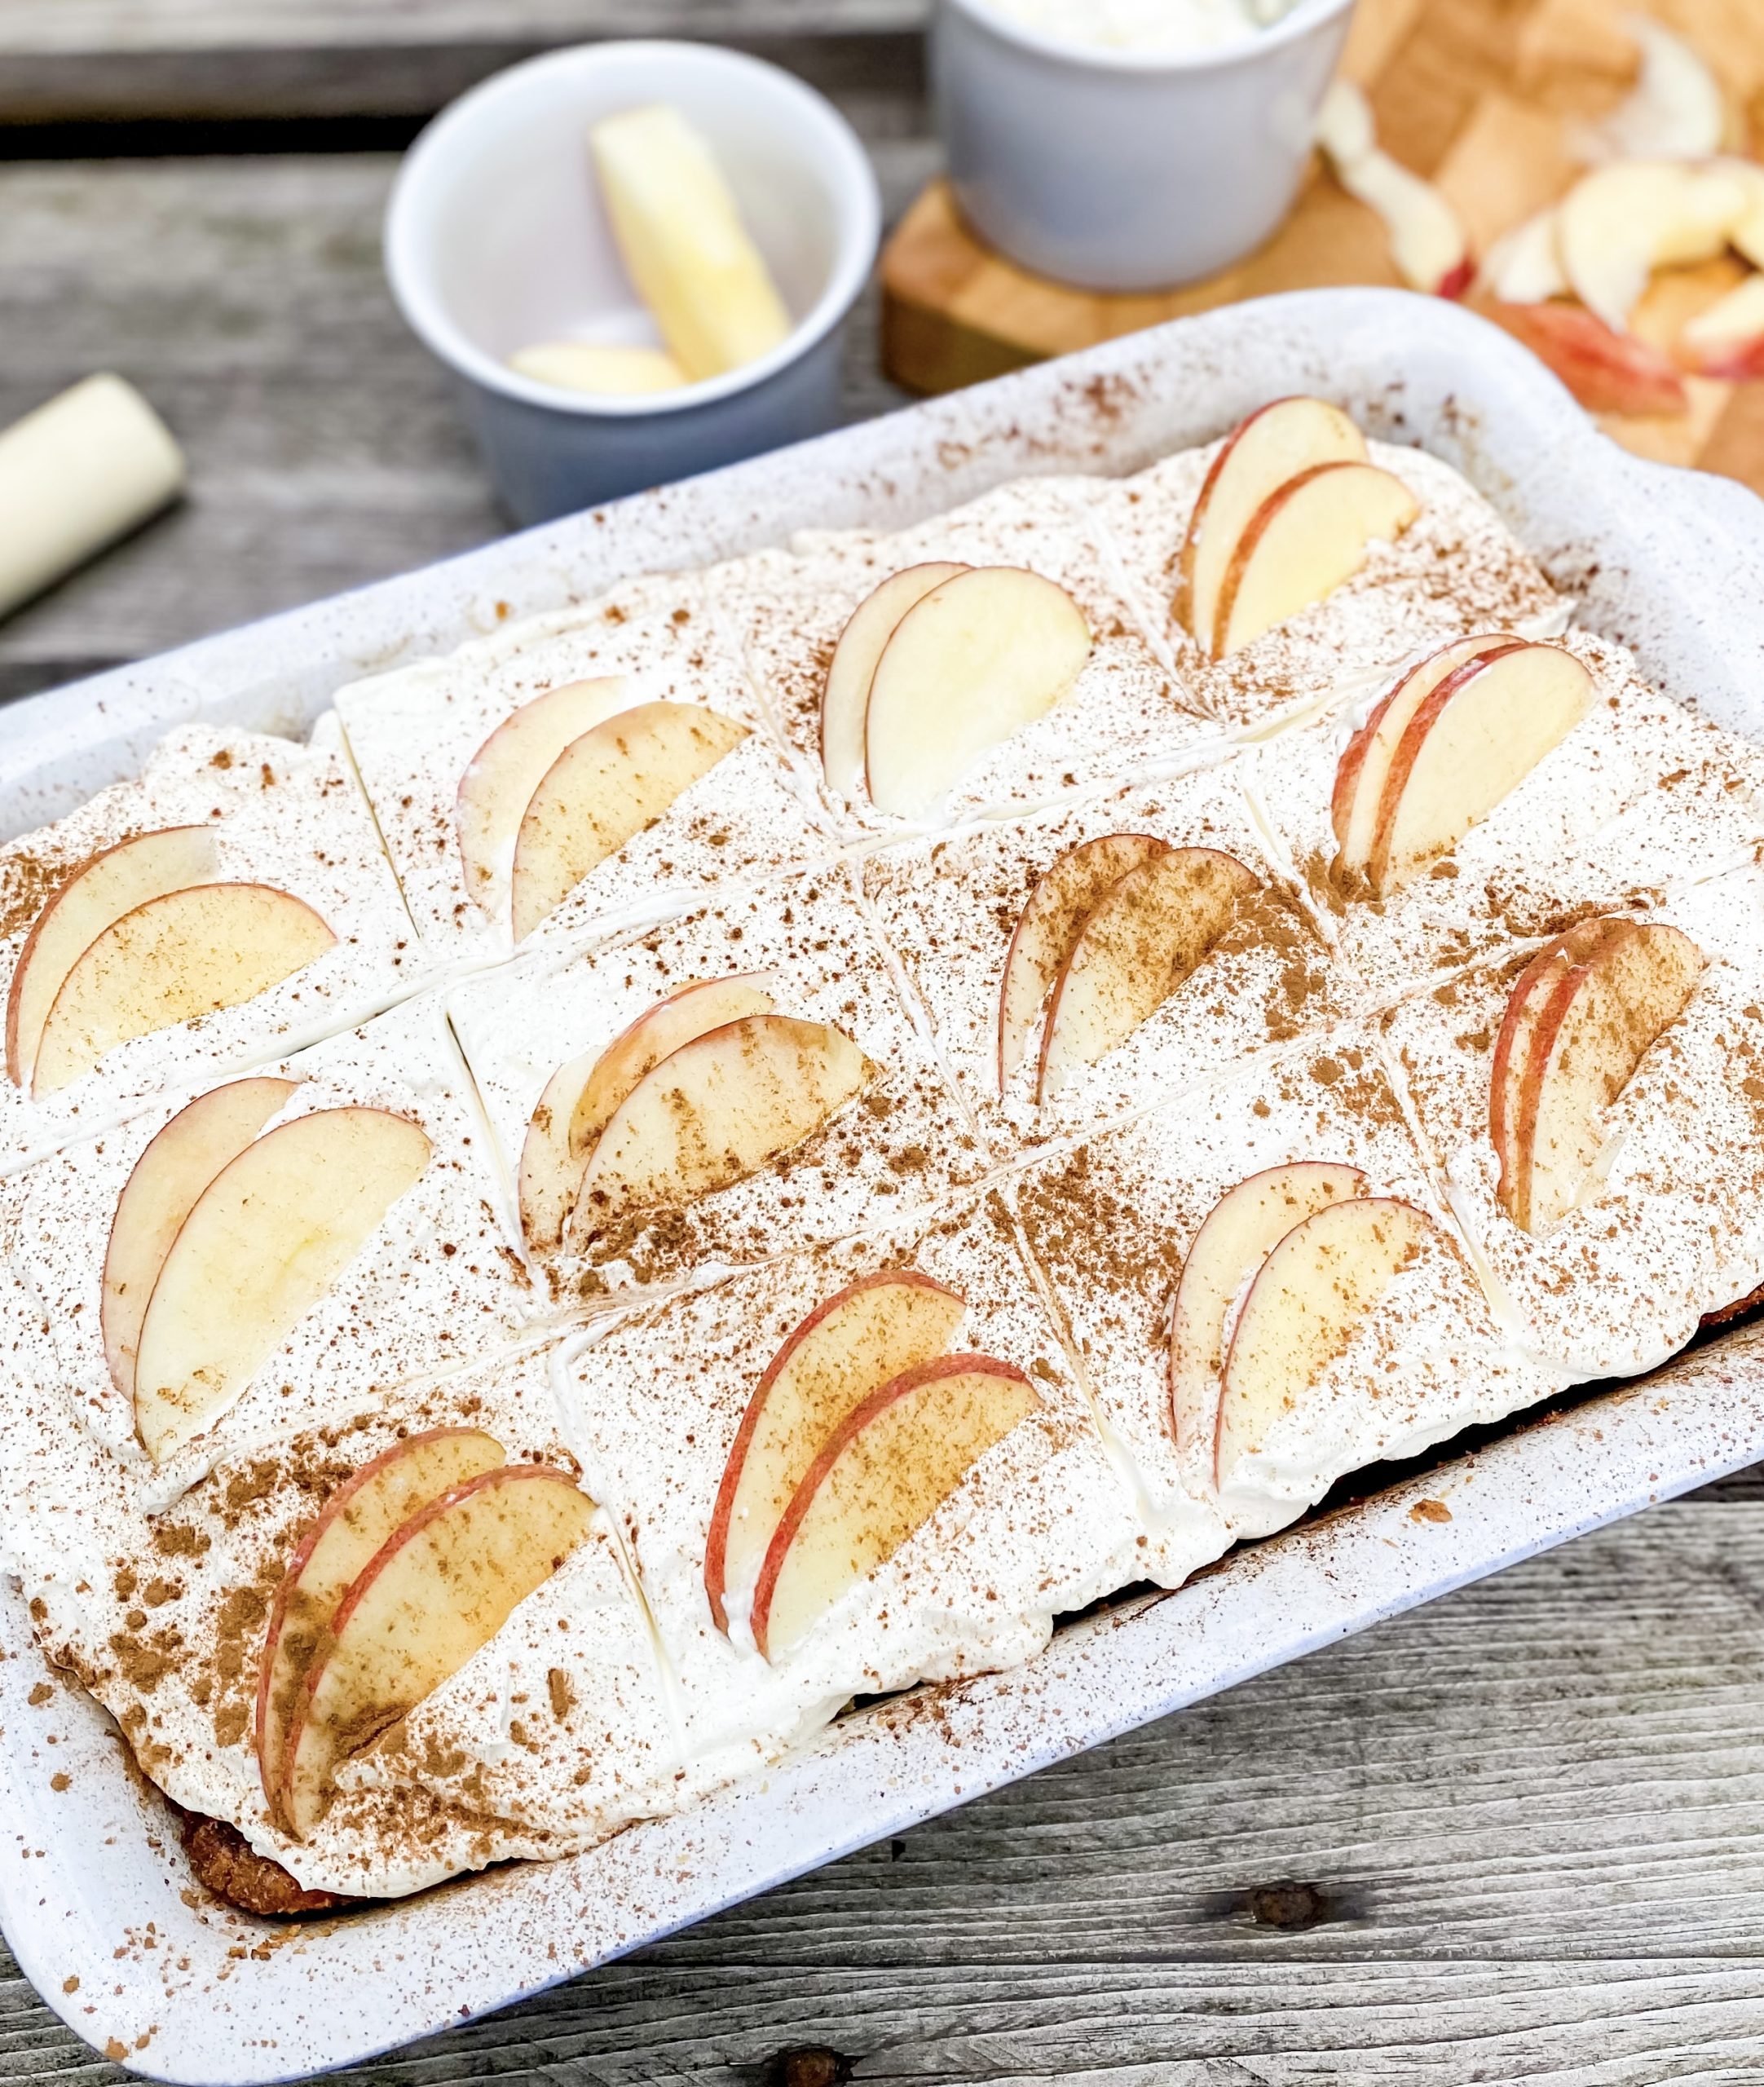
[1519,1836]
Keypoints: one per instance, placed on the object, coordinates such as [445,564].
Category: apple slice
[1619,223]
[977,659]
[845,700]
[1470,743]
[580,1096]
[883,1473]
[1677,111]
[1608,373]
[1523,266]
[349,1531]
[266,1240]
[1727,340]
[98,894]
[1134,950]
[1048,925]
[1270,448]
[1311,1295]
[1304,541]
[1366,760]
[1530,996]
[1240,1231]
[1602,1014]
[188,953]
[605,788]
[854,1342]
[166,1183]
[435,1593]
[716,1110]
[1428,243]
[500,779]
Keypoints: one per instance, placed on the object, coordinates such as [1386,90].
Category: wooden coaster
[1477,95]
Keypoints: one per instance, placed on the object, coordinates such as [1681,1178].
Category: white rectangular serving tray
[92,1885]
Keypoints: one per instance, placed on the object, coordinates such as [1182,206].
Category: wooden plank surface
[1530,1819]
[81,61]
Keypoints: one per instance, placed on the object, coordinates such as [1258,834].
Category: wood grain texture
[1531,1816]
[78,60]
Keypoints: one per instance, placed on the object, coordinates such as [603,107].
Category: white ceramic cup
[1119,169]
[496,238]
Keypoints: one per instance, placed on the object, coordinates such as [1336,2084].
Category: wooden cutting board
[1478,95]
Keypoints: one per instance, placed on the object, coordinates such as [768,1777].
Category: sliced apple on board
[882,1474]
[1584,1039]
[1267,451]
[1470,743]
[977,659]
[1366,760]
[164,1186]
[261,1246]
[1134,949]
[1619,223]
[845,699]
[500,778]
[1048,925]
[716,1110]
[1311,1297]
[1727,340]
[1608,373]
[187,953]
[581,1095]
[847,1348]
[436,1592]
[98,894]
[344,1538]
[1306,539]
[1239,1233]
[606,788]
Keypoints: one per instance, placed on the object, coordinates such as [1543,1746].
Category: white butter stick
[75,475]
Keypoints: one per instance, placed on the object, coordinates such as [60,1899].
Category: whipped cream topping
[161,1617]
[1123,716]
[1640,793]
[949,908]
[608,1696]
[414,733]
[901,1145]
[440,1280]
[1111,1224]
[1456,570]
[287,816]
[1671,1225]
[1044,1523]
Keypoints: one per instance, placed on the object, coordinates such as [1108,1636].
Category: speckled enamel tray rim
[92,1896]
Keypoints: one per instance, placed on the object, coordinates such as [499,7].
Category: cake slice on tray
[273,1255]
[983,661]
[1077,965]
[741,1082]
[575,772]
[1241,1400]
[232,905]
[367,1651]
[1293,559]
[856,1467]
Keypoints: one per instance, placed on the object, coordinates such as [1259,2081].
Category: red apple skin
[1184,600]
[1737,362]
[859,1418]
[716,1543]
[1608,373]
[501,1477]
[1456,282]
[332,1508]
[1354,754]
[1414,734]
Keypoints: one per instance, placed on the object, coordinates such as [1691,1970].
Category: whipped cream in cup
[1131,145]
